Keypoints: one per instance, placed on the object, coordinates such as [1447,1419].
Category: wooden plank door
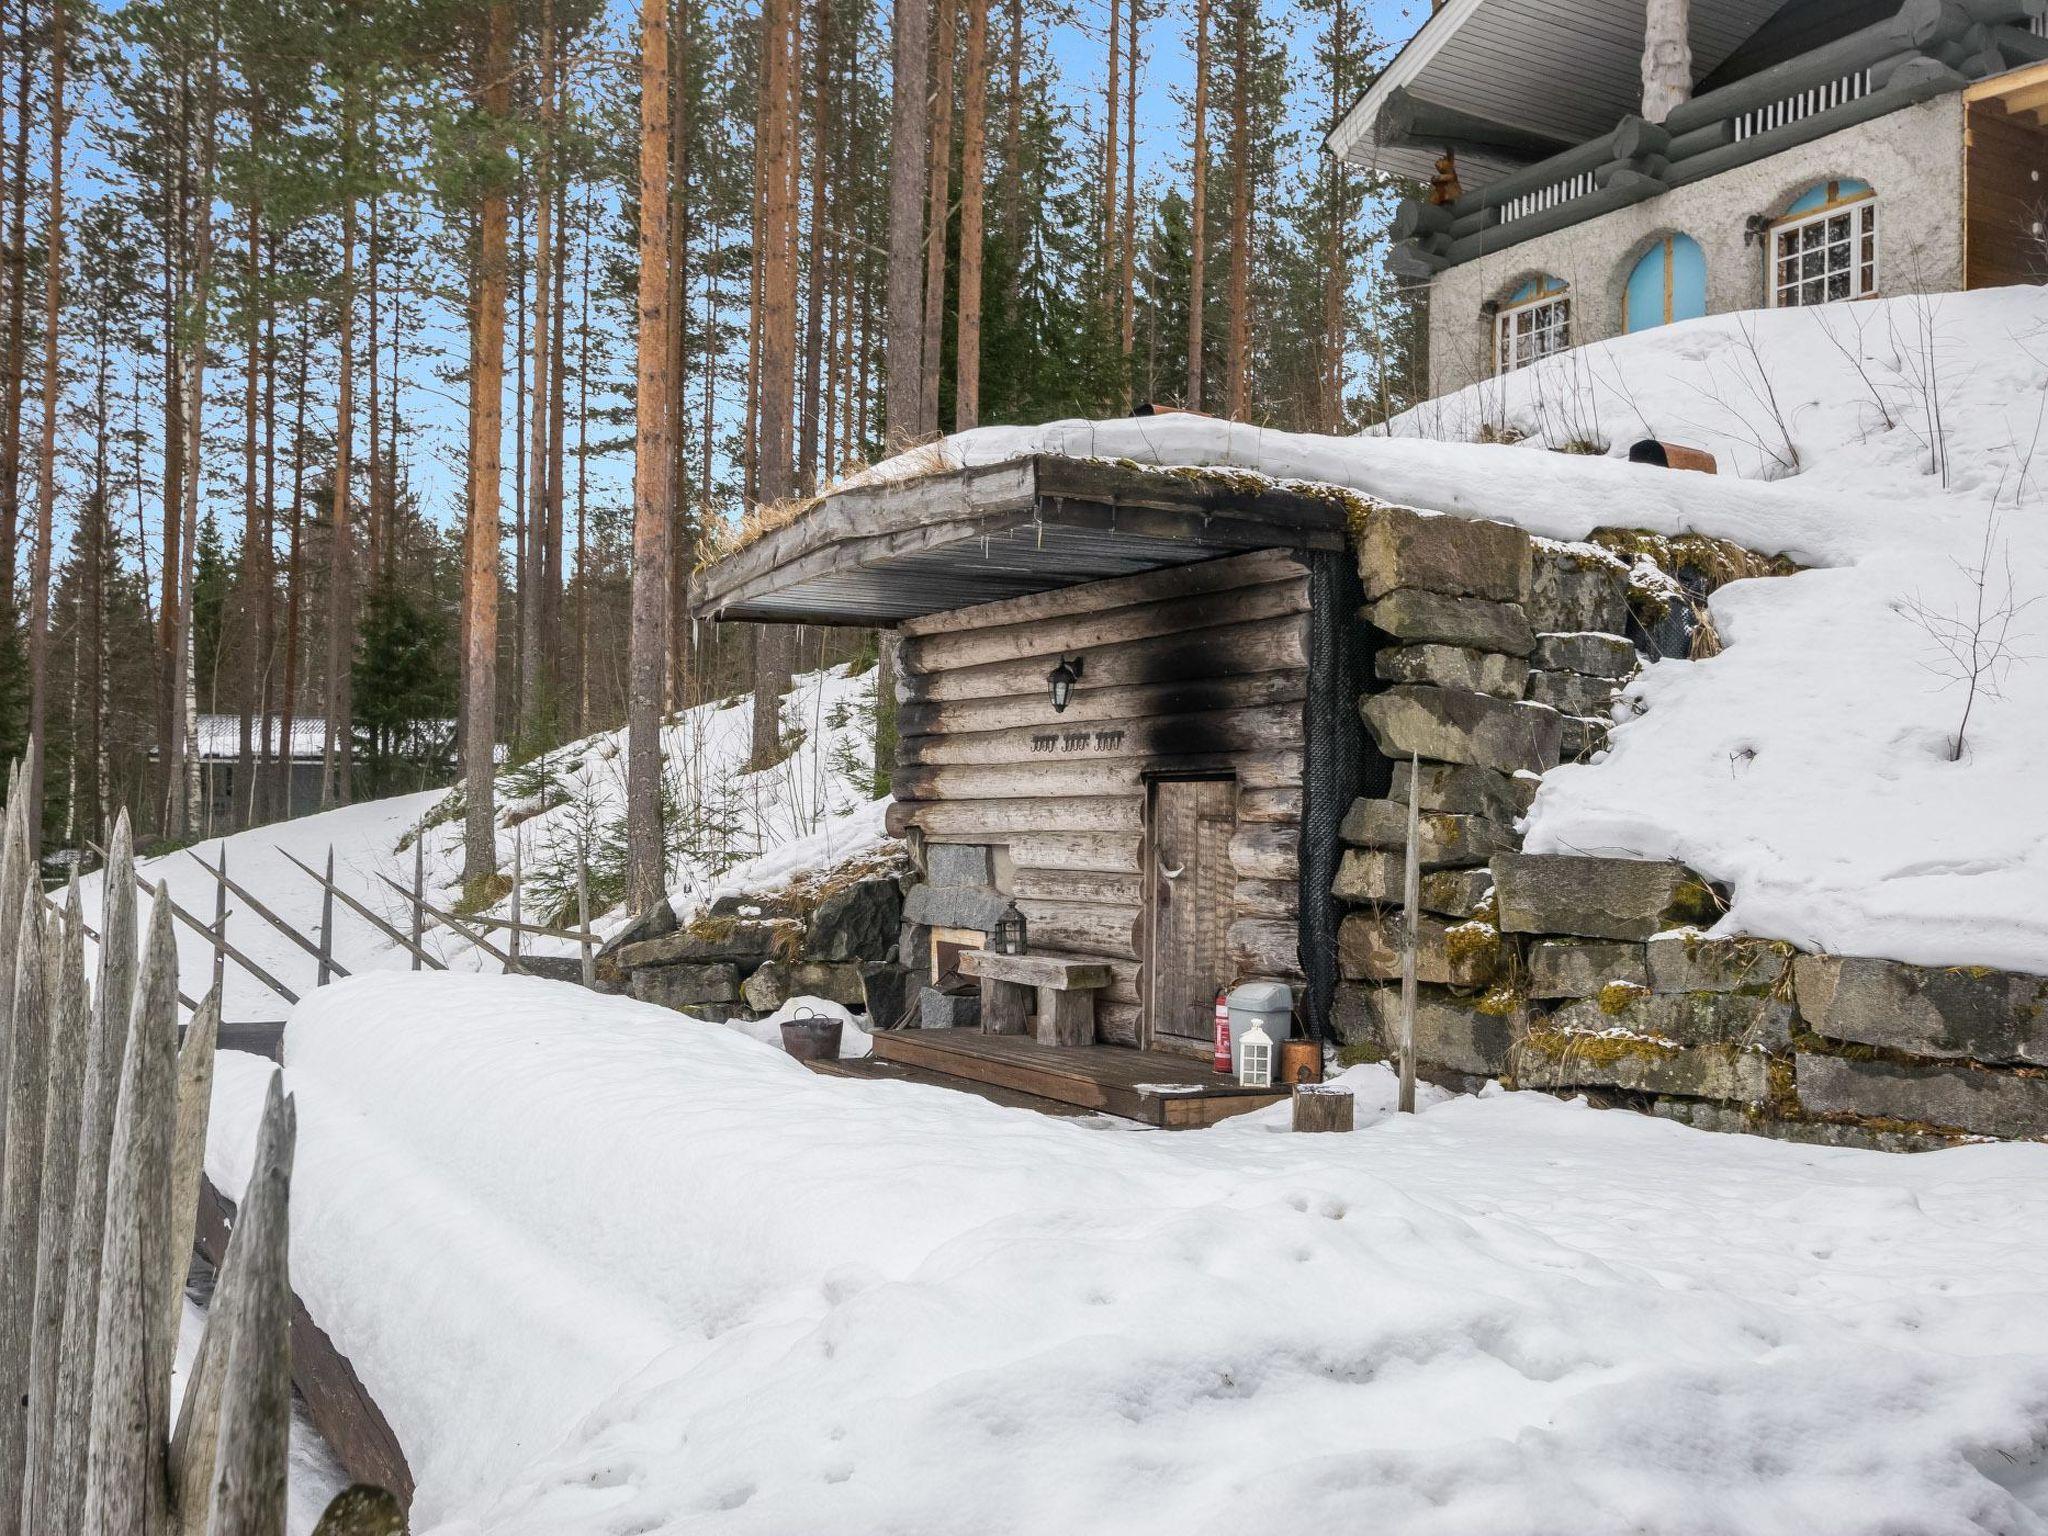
[1190,889]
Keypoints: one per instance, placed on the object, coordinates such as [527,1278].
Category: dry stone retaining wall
[1501,655]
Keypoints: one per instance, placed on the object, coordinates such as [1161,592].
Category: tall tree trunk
[263,792]
[814,281]
[1013,135]
[973,149]
[16,335]
[252,564]
[532,685]
[295,580]
[1237,365]
[1198,214]
[682,532]
[646,843]
[1127,292]
[487,417]
[182,757]
[335,738]
[1112,119]
[584,587]
[939,201]
[775,466]
[1336,250]
[908,122]
[46,477]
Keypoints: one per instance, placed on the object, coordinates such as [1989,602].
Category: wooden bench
[1066,986]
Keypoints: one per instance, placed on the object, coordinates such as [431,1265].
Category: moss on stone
[1469,941]
[1617,996]
[1364,1054]
[1601,1049]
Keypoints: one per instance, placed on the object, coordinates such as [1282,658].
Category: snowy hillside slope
[729,829]
[1898,448]
[607,1275]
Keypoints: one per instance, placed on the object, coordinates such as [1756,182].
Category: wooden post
[1411,909]
[1322,1107]
[583,914]
[220,918]
[512,940]
[70,1031]
[262,910]
[59,1492]
[390,932]
[126,1472]
[327,922]
[419,894]
[21,1189]
[247,1398]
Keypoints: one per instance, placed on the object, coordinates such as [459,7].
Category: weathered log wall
[1193,670]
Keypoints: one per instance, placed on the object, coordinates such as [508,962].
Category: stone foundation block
[948,1010]
[743,941]
[1692,962]
[1400,547]
[1463,790]
[1594,654]
[1685,1018]
[1454,1033]
[1702,1115]
[776,983]
[678,986]
[1576,587]
[1376,876]
[1965,1013]
[959,864]
[1452,726]
[1429,618]
[961,906]
[1459,955]
[885,993]
[1550,1058]
[1443,840]
[1596,898]
[1563,968]
[1969,1099]
[858,923]
[1453,666]
[1582,737]
[1573,693]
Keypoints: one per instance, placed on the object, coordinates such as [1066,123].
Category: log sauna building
[1127,711]
[1174,718]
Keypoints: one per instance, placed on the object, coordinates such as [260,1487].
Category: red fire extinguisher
[1222,1059]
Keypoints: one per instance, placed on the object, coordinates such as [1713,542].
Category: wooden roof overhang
[874,555]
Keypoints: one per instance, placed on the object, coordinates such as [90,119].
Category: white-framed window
[1825,250]
[1536,323]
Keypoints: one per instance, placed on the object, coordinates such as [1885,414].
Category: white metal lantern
[1255,1059]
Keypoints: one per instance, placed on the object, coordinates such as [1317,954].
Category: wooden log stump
[1322,1107]
[1066,1017]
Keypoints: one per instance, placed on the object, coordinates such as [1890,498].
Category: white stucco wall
[1913,160]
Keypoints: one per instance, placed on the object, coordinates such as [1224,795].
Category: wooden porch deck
[1152,1087]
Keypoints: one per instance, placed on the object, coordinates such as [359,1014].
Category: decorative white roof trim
[1354,130]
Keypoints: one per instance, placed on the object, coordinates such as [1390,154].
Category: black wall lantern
[1062,679]
[1010,931]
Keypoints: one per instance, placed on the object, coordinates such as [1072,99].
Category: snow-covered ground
[1891,445]
[606,1273]
[734,831]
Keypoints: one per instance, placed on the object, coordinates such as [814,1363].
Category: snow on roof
[1900,445]
[220,736]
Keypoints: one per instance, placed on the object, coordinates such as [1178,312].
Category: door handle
[1172,874]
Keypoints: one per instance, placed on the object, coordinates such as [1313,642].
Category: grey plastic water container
[1268,1004]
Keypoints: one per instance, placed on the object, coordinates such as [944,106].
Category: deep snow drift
[1808,765]
[608,1271]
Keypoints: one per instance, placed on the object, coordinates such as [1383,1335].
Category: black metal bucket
[810,1038]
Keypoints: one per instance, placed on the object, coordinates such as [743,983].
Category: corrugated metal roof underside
[1568,68]
[1018,561]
